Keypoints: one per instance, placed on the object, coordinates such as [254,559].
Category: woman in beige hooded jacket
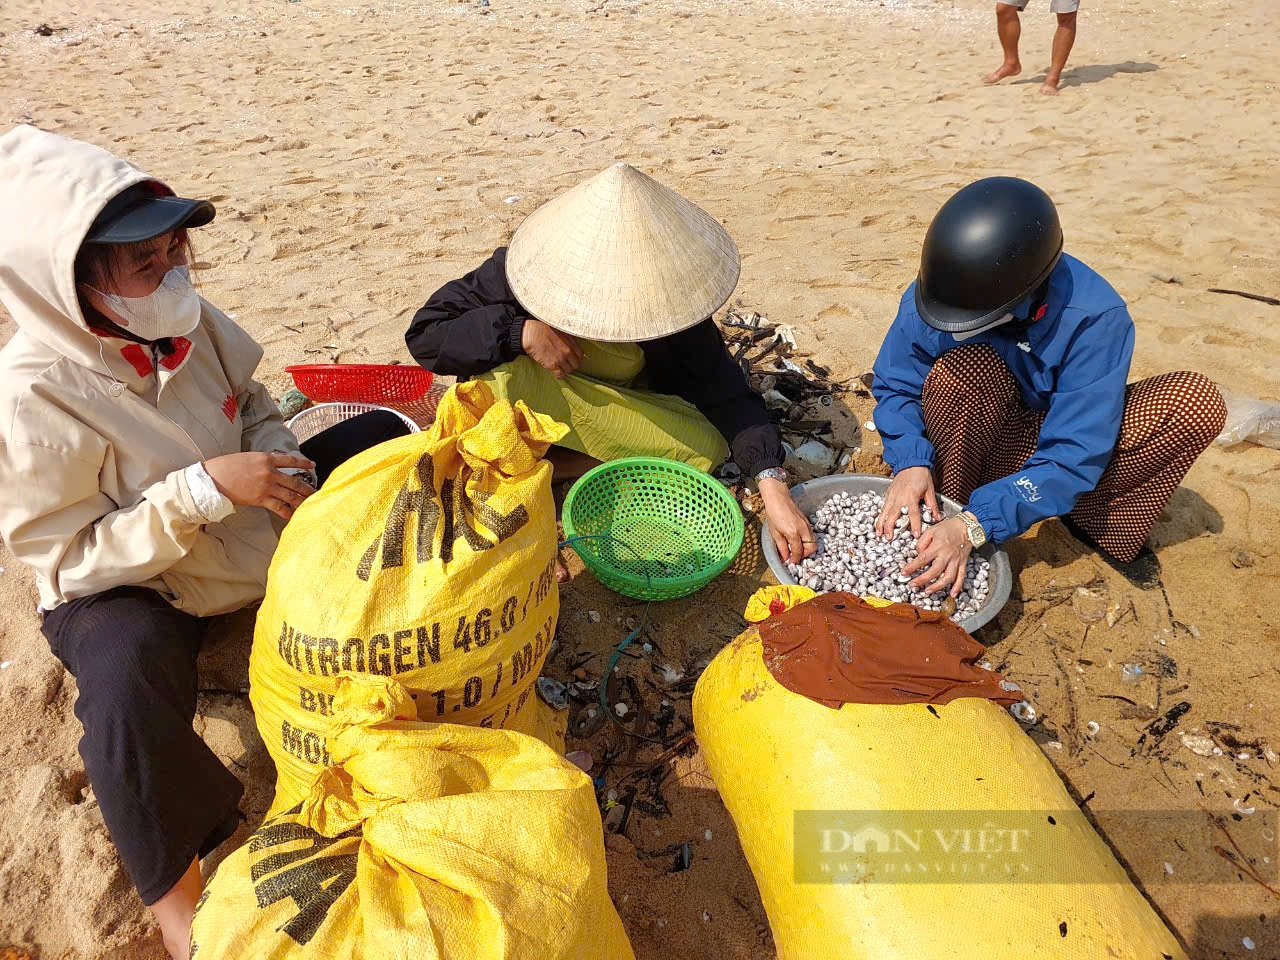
[145,476]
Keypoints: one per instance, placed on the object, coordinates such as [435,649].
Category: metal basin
[812,494]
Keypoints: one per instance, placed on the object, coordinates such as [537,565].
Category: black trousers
[165,796]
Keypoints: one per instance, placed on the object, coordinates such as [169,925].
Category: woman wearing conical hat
[598,314]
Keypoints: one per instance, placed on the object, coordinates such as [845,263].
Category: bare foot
[1006,70]
[562,570]
[1050,87]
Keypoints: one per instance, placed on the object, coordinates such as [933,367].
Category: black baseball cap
[144,211]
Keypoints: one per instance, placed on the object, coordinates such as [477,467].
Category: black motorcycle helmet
[990,246]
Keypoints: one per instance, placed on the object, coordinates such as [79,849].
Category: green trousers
[608,416]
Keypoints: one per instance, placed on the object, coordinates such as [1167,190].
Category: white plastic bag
[1250,420]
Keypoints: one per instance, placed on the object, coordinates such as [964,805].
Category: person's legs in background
[165,796]
[1063,40]
[976,421]
[1009,27]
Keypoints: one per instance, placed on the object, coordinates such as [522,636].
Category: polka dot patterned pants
[981,431]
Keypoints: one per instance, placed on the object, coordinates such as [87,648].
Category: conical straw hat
[621,258]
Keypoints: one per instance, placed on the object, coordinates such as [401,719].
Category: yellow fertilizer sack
[429,559]
[423,840]
[910,831]
[770,601]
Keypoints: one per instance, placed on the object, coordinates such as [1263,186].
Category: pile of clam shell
[852,557]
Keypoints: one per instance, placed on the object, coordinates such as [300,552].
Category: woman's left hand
[790,528]
[943,553]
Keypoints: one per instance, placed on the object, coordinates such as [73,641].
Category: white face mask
[172,310]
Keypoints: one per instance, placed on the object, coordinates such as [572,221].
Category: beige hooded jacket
[93,493]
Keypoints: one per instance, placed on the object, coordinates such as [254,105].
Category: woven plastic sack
[770,601]
[429,559]
[424,840]
[788,767]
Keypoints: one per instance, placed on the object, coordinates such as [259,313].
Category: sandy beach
[361,154]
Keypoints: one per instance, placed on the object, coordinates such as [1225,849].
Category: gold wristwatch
[977,536]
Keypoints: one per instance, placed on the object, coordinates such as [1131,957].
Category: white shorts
[1055,6]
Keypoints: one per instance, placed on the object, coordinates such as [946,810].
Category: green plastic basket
[653,529]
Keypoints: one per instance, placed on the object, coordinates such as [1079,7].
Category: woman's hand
[556,352]
[944,550]
[790,528]
[908,488]
[255,480]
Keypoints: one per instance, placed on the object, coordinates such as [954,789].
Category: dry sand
[360,154]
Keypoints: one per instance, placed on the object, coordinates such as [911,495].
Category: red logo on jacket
[229,408]
[137,358]
[181,347]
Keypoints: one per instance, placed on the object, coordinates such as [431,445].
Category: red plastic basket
[380,383]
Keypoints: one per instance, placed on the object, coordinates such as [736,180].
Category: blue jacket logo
[1026,489]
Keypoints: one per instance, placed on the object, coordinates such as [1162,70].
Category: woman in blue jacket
[1002,383]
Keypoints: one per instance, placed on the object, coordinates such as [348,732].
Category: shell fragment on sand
[1198,743]
[816,454]
[554,693]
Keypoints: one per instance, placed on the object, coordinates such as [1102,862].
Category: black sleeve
[696,366]
[470,325]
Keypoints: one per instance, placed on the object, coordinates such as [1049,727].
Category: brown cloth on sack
[838,649]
